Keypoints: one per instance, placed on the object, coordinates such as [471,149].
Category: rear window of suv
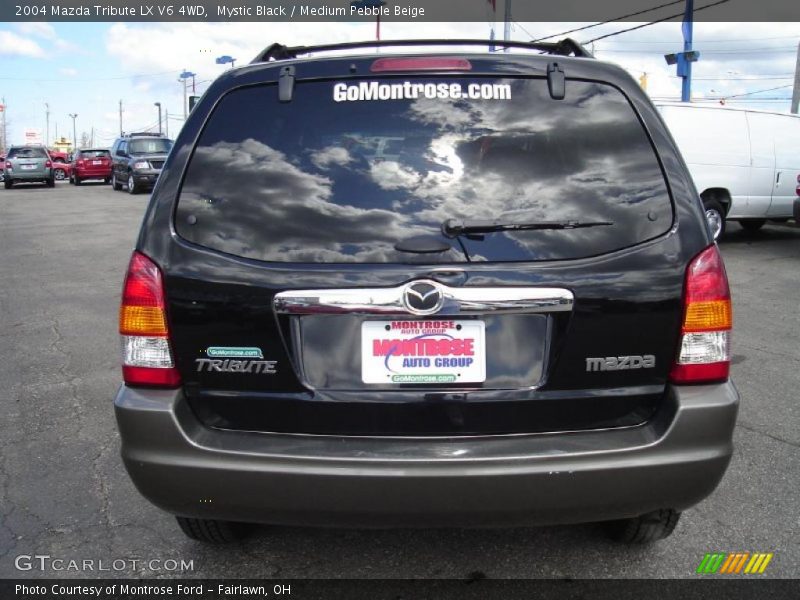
[27,153]
[149,146]
[335,177]
[94,154]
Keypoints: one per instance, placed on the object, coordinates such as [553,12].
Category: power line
[719,41]
[608,35]
[633,14]
[728,51]
[523,29]
[737,78]
[780,87]
[73,79]
[727,100]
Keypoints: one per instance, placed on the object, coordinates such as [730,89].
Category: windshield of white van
[347,171]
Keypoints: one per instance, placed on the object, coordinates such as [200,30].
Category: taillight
[80,162]
[797,189]
[705,355]
[48,164]
[422,63]
[9,166]
[146,354]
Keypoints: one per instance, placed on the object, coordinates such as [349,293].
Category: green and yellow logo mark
[734,562]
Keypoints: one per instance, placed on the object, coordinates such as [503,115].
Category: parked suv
[28,164]
[516,316]
[91,163]
[137,160]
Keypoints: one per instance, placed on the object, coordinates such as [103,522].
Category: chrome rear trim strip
[456,301]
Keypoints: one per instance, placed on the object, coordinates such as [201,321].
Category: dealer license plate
[97,162]
[28,167]
[423,351]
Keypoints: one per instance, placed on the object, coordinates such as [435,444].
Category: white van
[745,163]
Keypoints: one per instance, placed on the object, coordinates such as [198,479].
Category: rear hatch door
[424,255]
[28,162]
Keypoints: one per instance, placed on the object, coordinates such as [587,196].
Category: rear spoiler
[565,47]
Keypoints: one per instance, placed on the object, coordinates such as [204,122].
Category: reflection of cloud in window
[344,197]
[391,175]
[330,156]
[443,152]
[597,104]
[246,196]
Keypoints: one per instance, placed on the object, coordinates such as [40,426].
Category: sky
[87,68]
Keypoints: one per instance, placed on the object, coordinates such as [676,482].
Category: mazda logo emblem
[423,297]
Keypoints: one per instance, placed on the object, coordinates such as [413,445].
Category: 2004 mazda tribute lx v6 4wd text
[442,289]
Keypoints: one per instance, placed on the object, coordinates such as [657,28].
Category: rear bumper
[674,461]
[103,173]
[18,175]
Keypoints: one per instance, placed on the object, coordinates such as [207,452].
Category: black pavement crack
[772,352]
[769,435]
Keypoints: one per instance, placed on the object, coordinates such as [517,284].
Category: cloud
[159,47]
[734,57]
[65,46]
[68,71]
[330,156]
[12,44]
[37,29]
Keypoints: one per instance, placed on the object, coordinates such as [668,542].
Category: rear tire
[115,184]
[715,217]
[77,181]
[212,531]
[59,175]
[644,529]
[751,225]
[51,182]
[7,183]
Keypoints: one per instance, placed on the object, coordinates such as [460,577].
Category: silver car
[28,164]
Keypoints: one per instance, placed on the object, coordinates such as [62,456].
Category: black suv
[137,160]
[440,289]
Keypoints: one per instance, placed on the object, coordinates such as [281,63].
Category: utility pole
[167,123]
[684,59]
[73,116]
[158,104]
[47,120]
[120,117]
[183,77]
[5,135]
[507,24]
[795,91]
[687,28]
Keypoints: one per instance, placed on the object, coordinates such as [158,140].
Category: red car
[58,155]
[91,163]
[61,168]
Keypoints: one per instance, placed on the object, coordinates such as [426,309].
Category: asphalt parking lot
[64,492]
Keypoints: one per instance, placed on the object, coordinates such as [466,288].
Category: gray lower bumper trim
[674,461]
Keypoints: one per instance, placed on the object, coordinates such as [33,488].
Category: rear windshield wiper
[454,227]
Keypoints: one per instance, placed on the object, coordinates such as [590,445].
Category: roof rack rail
[565,47]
